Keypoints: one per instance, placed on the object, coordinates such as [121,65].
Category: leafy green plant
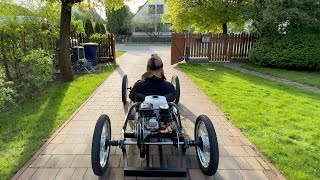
[7,92]
[102,29]
[88,27]
[37,69]
[96,36]
[97,28]
[291,51]
[119,21]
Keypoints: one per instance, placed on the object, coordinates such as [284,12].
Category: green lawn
[119,53]
[309,78]
[26,127]
[281,120]
[148,44]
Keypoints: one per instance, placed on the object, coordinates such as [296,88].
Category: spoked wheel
[124,89]
[176,83]
[207,150]
[100,152]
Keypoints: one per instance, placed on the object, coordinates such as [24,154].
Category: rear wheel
[176,83]
[100,152]
[124,89]
[207,150]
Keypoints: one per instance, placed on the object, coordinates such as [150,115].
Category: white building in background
[148,20]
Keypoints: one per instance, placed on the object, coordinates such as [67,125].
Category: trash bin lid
[77,47]
[89,44]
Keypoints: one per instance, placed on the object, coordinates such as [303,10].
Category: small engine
[149,116]
[155,112]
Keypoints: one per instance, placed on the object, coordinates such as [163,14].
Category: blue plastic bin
[90,50]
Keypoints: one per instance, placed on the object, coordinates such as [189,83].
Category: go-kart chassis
[177,140]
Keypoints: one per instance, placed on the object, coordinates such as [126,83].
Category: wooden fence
[106,47]
[215,48]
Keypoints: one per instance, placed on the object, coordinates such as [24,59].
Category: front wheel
[124,89]
[207,150]
[100,152]
[176,83]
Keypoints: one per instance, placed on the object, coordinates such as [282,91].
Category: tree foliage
[102,29]
[119,21]
[205,15]
[289,33]
[97,28]
[88,27]
[151,25]
[285,16]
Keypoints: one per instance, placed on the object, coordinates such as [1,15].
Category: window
[166,27]
[152,9]
[159,9]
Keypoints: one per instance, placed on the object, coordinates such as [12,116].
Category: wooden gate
[177,47]
[215,48]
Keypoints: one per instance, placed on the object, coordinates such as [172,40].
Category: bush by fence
[290,51]
[37,70]
[7,92]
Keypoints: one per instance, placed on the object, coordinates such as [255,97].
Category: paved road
[67,154]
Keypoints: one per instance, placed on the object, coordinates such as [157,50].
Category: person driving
[153,82]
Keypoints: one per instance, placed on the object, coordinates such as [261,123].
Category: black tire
[98,168]
[176,83]
[124,88]
[212,166]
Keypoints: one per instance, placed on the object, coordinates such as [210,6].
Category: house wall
[143,12]
[143,15]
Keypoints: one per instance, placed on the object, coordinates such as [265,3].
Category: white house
[148,20]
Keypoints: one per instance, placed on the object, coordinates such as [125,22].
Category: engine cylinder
[164,113]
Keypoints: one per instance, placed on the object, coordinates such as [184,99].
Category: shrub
[290,51]
[88,28]
[102,29]
[97,28]
[94,37]
[37,70]
[7,92]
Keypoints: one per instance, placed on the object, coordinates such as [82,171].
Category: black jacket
[152,86]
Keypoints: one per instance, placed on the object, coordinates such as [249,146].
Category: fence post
[230,53]
[209,47]
[113,48]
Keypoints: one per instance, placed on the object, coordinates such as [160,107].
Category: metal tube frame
[177,138]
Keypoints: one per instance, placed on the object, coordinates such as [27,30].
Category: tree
[119,21]
[97,28]
[151,25]
[76,26]
[285,16]
[289,33]
[88,27]
[205,15]
[102,29]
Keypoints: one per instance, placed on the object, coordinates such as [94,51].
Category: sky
[133,5]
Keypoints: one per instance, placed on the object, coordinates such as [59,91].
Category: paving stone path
[237,66]
[67,154]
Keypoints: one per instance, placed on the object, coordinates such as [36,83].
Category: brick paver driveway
[67,154]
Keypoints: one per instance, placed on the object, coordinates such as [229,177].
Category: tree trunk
[4,58]
[65,60]
[224,28]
